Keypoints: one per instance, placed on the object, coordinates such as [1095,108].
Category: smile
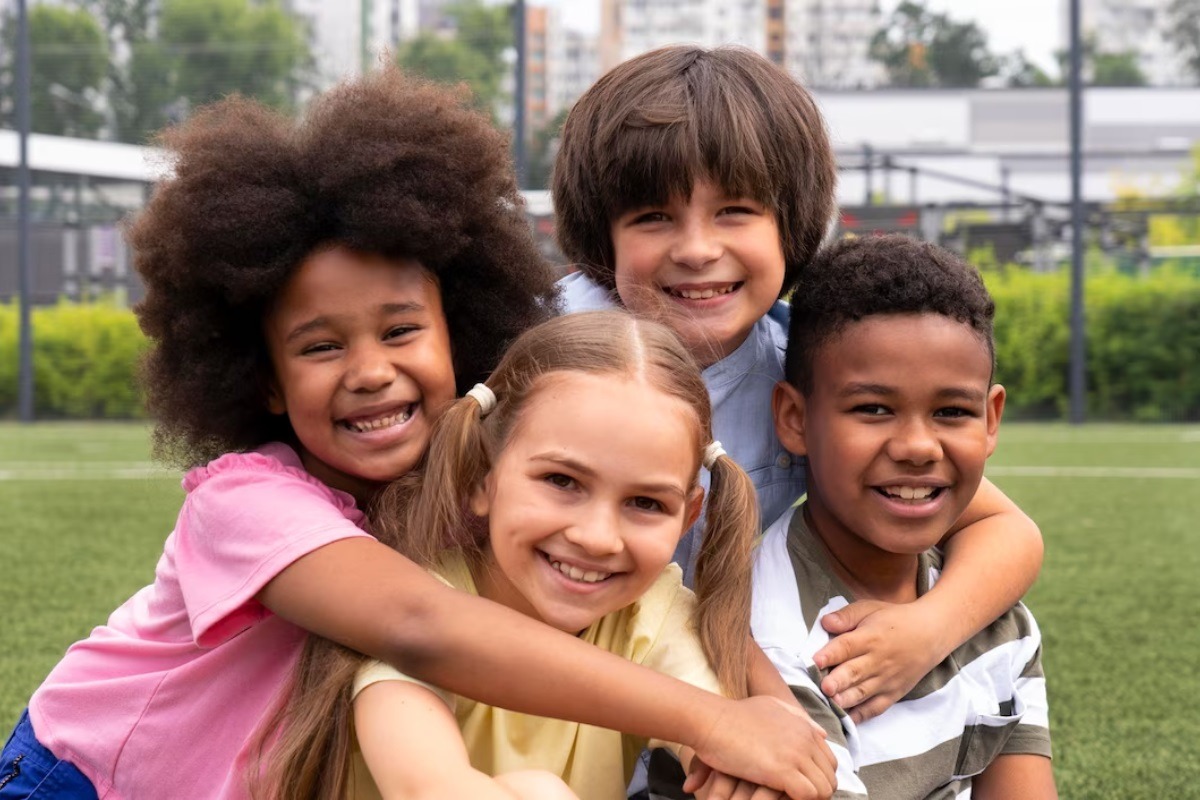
[388,420]
[703,293]
[913,495]
[575,573]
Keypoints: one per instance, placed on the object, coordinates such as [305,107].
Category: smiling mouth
[705,293]
[577,574]
[379,423]
[912,495]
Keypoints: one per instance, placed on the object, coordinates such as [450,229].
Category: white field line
[82,471]
[1185,473]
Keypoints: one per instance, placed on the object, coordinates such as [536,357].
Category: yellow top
[656,631]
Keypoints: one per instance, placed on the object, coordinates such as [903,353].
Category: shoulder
[268,482]
[578,292]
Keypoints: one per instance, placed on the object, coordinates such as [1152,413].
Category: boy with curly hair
[889,397]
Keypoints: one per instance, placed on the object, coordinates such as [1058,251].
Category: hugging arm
[368,597]
[881,650]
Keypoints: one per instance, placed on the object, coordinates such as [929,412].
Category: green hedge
[1143,349]
[84,361]
[1143,343]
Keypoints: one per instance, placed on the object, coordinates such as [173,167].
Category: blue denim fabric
[28,771]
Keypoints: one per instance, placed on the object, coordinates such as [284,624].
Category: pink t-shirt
[164,700]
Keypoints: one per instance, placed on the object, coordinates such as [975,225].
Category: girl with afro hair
[318,290]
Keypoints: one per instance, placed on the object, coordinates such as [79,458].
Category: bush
[84,361]
[1143,343]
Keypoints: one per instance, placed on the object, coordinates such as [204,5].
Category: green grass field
[85,513]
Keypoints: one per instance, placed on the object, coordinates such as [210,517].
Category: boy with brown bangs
[889,397]
[693,186]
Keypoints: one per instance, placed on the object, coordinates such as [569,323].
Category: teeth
[909,492]
[576,574]
[382,422]
[702,294]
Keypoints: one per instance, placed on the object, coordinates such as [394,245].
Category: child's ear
[480,501]
[695,504]
[995,410]
[787,403]
[275,402]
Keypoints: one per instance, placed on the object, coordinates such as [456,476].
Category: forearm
[374,600]
[1026,776]
[764,678]
[991,560]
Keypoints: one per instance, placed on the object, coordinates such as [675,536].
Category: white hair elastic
[712,452]
[485,397]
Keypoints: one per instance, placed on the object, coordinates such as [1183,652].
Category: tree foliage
[68,59]
[1102,67]
[920,48]
[474,56]
[1183,32]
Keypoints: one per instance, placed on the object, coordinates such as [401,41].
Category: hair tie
[712,452]
[485,397]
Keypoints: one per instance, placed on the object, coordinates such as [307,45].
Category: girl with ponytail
[560,489]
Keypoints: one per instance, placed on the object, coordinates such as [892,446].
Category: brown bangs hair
[655,124]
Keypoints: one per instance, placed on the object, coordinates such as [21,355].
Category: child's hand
[880,652]
[708,784]
[767,742]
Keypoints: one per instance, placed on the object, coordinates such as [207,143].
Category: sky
[1031,25]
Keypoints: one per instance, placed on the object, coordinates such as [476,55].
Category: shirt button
[784,461]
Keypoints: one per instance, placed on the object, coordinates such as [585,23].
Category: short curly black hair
[384,164]
[655,124]
[861,277]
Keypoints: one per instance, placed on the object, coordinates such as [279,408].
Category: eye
[647,504]
[647,217]
[317,349]
[739,209]
[871,410]
[399,330]
[954,412]
[559,480]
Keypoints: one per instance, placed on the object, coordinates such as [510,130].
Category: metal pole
[867,177]
[1077,374]
[24,253]
[519,155]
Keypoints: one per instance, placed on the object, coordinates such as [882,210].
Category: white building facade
[1138,26]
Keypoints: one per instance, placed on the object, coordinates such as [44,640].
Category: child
[889,396]
[693,186]
[564,484]
[315,292]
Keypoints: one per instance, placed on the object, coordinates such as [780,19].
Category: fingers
[850,617]
[871,709]
[697,776]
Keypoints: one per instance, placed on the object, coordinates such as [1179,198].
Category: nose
[696,246]
[596,532]
[915,442]
[370,368]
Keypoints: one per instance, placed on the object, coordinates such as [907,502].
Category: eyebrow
[949,392]
[316,323]
[583,469]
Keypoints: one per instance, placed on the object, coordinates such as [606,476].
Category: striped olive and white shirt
[987,699]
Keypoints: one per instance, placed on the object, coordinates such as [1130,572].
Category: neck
[868,571]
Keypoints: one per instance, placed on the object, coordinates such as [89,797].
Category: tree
[1183,31]
[1117,69]
[1102,67]
[542,151]
[473,56]
[176,54]
[68,59]
[919,48]
[1021,73]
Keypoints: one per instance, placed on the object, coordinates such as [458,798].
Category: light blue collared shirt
[740,387]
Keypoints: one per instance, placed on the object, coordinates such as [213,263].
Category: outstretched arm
[412,747]
[993,556]
[368,597]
